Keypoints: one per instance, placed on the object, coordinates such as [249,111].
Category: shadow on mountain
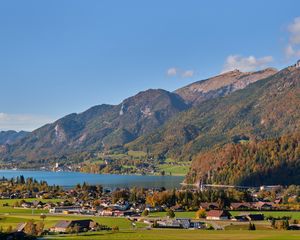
[285,174]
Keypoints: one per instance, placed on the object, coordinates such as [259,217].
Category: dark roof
[255,217]
[63,224]
[82,223]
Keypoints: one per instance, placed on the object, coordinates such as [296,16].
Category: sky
[63,56]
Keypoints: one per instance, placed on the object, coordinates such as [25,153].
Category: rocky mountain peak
[221,85]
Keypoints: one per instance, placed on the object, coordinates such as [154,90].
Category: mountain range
[9,137]
[109,126]
[229,108]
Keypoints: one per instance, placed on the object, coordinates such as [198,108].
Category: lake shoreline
[70,179]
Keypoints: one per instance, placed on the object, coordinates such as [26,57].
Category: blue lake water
[70,179]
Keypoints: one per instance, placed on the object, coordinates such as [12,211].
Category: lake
[70,179]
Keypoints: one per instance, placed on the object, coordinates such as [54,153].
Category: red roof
[217,213]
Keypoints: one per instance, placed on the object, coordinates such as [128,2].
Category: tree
[170,213]
[273,223]
[115,228]
[16,204]
[39,228]
[30,228]
[201,213]
[9,229]
[43,216]
[251,226]
[286,224]
[145,213]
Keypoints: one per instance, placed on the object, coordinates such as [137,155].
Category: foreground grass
[232,232]
[50,220]
[186,234]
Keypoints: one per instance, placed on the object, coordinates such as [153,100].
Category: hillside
[105,127]
[9,137]
[275,161]
[264,109]
[221,85]
[99,128]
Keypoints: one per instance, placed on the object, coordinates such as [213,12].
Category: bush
[201,213]
[145,213]
[115,228]
[170,213]
[251,226]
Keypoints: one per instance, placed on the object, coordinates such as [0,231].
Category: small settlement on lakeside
[156,208]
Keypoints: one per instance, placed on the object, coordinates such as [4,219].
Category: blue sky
[59,57]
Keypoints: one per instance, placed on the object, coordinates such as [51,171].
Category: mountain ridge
[103,127]
[266,108]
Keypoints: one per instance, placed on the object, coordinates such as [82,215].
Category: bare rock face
[221,85]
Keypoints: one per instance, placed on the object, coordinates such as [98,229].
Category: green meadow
[185,234]
[276,214]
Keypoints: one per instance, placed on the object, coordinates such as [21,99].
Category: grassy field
[293,215]
[51,220]
[12,201]
[187,234]
[175,170]
[11,210]
[233,231]
[137,154]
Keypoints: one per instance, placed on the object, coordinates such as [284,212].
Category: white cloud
[294,30]
[293,47]
[19,122]
[173,72]
[188,73]
[291,52]
[245,64]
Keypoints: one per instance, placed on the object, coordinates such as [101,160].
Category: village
[212,209]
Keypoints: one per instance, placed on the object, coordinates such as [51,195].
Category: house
[169,223]
[106,212]
[184,222]
[209,206]
[294,227]
[65,209]
[241,218]
[61,226]
[38,204]
[264,205]
[217,215]
[278,201]
[240,206]
[26,205]
[197,225]
[64,226]
[20,227]
[255,217]
[178,208]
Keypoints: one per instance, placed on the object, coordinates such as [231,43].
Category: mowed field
[13,219]
[10,216]
[293,214]
[10,209]
[186,235]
